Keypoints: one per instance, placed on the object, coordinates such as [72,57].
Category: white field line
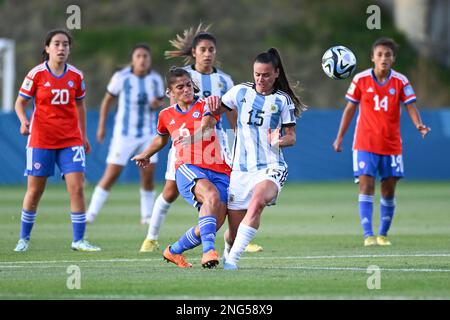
[425,255]
[57,263]
[357,269]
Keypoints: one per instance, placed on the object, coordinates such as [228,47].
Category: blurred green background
[301,30]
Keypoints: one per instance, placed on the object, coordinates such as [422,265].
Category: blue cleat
[229,266]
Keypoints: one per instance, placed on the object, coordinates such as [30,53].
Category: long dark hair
[49,38]
[189,40]
[281,83]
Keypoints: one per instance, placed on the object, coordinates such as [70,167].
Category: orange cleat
[210,259]
[178,259]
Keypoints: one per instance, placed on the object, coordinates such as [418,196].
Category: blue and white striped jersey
[134,118]
[213,84]
[256,115]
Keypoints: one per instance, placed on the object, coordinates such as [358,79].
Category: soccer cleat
[253,247]
[178,259]
[229,266]
[90,218]
[370,241]
[22,245]
[210,259]
[383,241]
[149,246]
[83,245]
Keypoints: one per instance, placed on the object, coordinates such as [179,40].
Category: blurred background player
[267,111]
[201,46]
[377,144]
[140,91]
[57,135]
[202,174]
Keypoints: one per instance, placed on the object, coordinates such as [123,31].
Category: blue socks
[188,241]
[207,225]
[365,213]
[27,222]
[78,225]
[387,208]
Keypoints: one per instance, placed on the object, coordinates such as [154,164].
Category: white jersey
[134,118]
[256,115]
[213,84]
[216,83]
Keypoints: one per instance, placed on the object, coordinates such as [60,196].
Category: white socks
[244,235]
[226,250]
[159,214]
[97,201]
[147,199]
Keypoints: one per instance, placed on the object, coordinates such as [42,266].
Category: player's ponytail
[184,44]
[281,83]
[49,38]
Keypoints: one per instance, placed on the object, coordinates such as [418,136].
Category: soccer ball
[338,62]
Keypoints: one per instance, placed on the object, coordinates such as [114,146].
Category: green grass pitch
[313,249]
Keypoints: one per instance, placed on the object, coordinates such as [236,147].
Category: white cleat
[83,245]
[22,245]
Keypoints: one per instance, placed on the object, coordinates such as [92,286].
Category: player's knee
[76,191]
[212,199]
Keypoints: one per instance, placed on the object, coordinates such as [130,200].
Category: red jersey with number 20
[378,125]
[54,123]
[204,154]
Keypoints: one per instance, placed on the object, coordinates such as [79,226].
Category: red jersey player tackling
[377,146]
[202,175]
[57,135]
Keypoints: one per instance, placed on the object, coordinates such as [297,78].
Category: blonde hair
[189,40]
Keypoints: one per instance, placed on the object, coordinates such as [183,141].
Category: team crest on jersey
[230,197]
[70,83]
[220,85]
[362,164]
[392,91]
[196,114]
[27,84]
[274,108]
[37,165]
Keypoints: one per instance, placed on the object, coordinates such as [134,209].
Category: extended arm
[415,117]
[346,119]
[158,142]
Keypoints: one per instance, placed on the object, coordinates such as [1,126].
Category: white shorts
[170,171]
[122,149]
[242,185]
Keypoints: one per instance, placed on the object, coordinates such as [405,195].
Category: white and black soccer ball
[338,62]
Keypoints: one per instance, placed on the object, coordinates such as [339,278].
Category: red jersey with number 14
[54,123]
[204,154]
[378,125]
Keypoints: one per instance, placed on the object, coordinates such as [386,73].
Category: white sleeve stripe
[351,99]
[410,100]
[24,95]
[35,71]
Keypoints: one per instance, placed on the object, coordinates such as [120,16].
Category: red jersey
[54,123]
[378,125]
[204,154]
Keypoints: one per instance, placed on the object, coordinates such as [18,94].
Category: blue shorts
[41,162]
[187,175]
[368,163]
